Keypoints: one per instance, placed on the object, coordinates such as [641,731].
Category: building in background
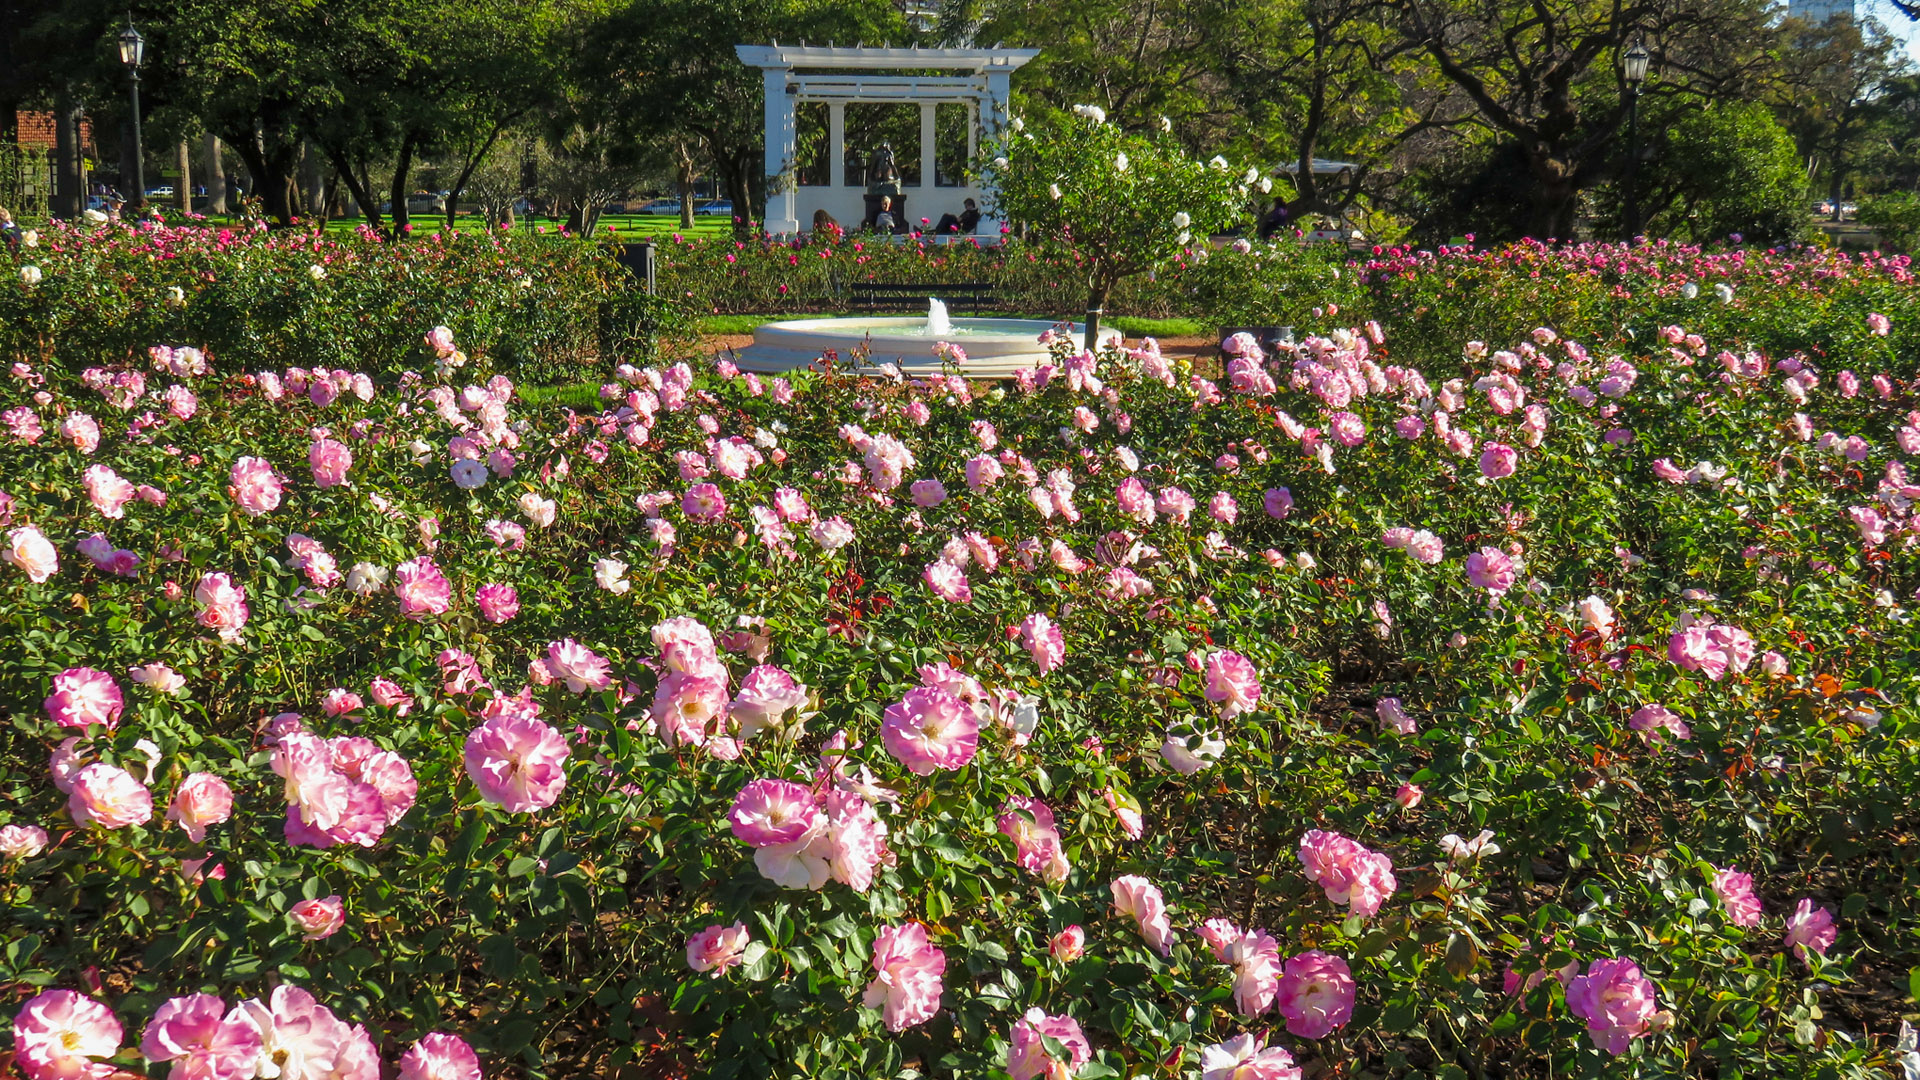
[1819,11]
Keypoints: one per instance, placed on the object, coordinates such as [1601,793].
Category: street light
[1633,65]
[133,49]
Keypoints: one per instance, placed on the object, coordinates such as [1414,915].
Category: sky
[1897,24]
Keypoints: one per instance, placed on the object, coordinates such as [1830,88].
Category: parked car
[164,191]
[716,208]
[426,202]
[660,206]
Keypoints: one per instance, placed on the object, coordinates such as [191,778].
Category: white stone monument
[838,75]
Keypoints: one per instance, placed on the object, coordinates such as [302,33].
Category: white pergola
[840,74]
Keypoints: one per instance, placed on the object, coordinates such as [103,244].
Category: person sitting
[824,223]
[964,225]
[883,221]
[10,235]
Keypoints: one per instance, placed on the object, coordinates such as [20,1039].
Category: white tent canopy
[838,75]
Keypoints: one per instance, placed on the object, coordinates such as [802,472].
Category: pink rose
[1069,945]
[108,796]
[319,918]
[1491,569]
[1615,1000]
[1029,823]
[1735,891]
[439,1056]
[22,841]
[1393,716]
[254,485]
[579,667]
[1255,957]
[1425,547]
[1652,720]
[1232,683]
[928,493]
[930,729]
[1136,896]
[158,678]
[1044,641]
[704,503]
[517,762]
[1246,1057]
[947,581]
[330,461]
[388,695]
[108,493]
[1027,1055]
[1408,796]
[58,1034]
[202,799]
[82,697]
[906,986]
[718,948]
[1810,928]
[208,1041]
[1351,875]
[223,605]
[80,430]
[497,603]
[1316,994]
[768,813]
[30,550]
[767,694]
[421,588]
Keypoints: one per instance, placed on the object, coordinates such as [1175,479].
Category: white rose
[365,579]
[316,271]
[30,274]
[610,574]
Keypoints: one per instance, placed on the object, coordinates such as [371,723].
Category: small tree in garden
[1128,201]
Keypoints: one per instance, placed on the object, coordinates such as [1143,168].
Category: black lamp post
[133,49]
[1634,66]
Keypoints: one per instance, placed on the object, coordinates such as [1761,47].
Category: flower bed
[1545,707]
[539,307]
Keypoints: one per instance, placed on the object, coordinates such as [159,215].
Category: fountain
[995,348]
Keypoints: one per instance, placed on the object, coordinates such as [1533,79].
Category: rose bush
[535,306]
[680,735]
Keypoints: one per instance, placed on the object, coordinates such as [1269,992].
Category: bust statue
[883,176]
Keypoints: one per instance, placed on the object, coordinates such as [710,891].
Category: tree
[1127,202]
[661,69]
[1545,74]
[1724,170]
[1831,95]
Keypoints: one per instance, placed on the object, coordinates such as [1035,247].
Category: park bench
[971,297]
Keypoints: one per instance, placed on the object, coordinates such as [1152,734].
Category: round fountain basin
[995,348]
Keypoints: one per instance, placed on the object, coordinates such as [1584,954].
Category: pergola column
[783,138]
[837,143]
[929,134]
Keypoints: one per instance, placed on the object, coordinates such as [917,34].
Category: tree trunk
[216,175]
[683,182]
[402,169]
[1096,306]
[311,201]
[70,196]
[183,191]
[360,187]
[466,173]
[272,174]
[1554,196]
